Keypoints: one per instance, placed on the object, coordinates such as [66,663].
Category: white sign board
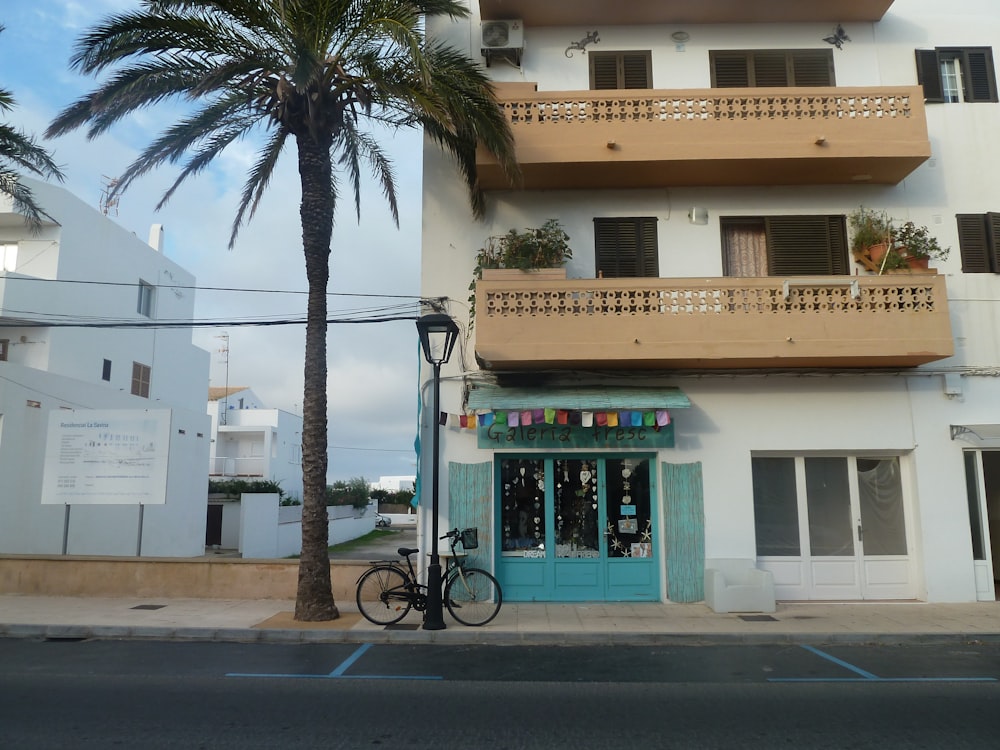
[104,456]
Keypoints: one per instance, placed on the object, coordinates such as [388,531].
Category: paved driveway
[383,548]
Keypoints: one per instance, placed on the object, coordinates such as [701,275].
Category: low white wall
[344,524]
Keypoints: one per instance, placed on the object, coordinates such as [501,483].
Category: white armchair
[736,585]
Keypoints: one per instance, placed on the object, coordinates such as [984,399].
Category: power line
[212,288]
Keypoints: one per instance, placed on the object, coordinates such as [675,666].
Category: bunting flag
[654,418]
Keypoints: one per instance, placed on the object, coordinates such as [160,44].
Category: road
[103,694]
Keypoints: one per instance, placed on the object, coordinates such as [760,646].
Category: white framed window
[144,305]
[8,256]
[951,80]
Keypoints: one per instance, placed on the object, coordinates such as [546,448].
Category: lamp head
[438,334]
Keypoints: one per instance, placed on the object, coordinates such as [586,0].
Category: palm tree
[316,72]
[19,152]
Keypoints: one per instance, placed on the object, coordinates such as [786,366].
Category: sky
[373,368]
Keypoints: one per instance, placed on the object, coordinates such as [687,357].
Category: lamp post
[438,334]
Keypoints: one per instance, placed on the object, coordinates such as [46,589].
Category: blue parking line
[346,664]
[339,672]
[868,676]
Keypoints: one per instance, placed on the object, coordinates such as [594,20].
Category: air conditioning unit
[502,35]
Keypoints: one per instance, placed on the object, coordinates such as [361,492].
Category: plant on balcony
[916,245]
[531,250]
[871,233]
[545,247]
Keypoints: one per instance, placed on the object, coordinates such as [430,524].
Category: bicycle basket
[470,538]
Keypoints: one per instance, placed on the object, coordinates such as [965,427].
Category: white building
[395,484]
[250,441]
[837,425]
[83,269]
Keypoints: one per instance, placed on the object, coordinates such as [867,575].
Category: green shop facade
[580,500]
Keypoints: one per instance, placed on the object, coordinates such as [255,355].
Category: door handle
[860,532]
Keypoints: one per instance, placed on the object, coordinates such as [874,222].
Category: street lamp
[438,334]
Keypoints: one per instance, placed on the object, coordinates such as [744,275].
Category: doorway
[982,481]
[577,528]
[833,527]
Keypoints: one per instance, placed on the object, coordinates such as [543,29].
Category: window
[785,246]
[626,247]
[140,379]
[145,304]
[620,70]
[957,74]
[4,346]
[8,257]
[746,68]
[978,236]
[106,371]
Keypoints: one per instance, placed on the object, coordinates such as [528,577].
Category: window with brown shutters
[620,70]
[795,245]
[626,247]
[978,237]
[140,379]
[771,68]
[957,74]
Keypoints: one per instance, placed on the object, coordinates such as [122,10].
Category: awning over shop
[589,398]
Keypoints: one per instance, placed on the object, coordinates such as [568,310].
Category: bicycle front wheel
[382,596]
[473,596]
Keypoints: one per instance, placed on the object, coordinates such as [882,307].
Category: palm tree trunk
[314,599]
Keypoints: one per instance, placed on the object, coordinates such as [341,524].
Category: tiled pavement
[640,623]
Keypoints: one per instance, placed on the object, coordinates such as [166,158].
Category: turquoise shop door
[577,528]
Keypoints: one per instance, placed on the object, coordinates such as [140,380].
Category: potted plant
[530,251]
[871,236]
[916,245]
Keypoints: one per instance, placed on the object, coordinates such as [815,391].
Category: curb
[468,637]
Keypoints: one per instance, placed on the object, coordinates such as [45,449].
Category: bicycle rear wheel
[382,596]
[473,596]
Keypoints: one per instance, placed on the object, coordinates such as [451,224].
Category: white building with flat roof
[79,303]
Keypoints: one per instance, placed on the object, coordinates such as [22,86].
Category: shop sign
[557,436]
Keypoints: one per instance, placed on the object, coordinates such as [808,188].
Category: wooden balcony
[608,13]
[712,137]
[833,322]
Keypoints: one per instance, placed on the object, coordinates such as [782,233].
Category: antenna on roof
[109,200]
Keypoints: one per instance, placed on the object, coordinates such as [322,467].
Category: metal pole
[433,615]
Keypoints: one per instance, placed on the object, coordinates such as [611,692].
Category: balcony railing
[223,466]
[604,13]
[720,323]
[712,137]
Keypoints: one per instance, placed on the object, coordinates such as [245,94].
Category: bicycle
[387,591]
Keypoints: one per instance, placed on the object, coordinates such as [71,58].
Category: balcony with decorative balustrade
[832,322]
[711,137]
[614,12]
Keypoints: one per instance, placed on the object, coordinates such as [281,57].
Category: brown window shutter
[974,243]
[839,263]
[626,248]
[799,246]
[603,71]
[636,73]
[979,79]
[929,75]
[730,70]
[812,68]
[770,69]
[993,232]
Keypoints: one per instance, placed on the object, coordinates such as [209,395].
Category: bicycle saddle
[406,551]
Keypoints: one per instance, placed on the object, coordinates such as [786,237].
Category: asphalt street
[100,694]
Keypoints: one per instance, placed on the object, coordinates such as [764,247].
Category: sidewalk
[517,623]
